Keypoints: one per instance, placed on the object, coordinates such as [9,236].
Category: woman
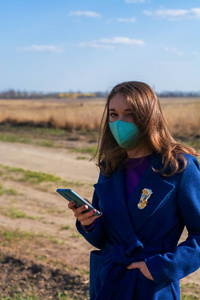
[148,190]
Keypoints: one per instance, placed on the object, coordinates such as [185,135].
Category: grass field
[182,114]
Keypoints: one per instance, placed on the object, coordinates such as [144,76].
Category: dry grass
[79,115]
[182,115]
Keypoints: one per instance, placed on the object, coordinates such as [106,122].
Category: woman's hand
[143,268]
[86,218]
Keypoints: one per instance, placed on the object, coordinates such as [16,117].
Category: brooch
[146,194]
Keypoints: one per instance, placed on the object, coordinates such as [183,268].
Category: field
[182,114]
[45,145]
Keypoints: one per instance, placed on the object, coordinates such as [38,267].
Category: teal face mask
[126,134]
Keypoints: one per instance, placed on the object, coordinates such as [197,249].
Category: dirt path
[46,216]
[58,161]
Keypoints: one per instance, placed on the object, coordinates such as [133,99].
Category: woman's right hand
[84,218]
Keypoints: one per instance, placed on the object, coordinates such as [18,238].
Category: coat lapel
[161,191]
[112,195]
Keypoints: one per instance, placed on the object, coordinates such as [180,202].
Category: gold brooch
[146,194]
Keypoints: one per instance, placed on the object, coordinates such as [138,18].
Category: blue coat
[125,234]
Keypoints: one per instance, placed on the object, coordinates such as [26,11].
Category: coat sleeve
[97,236]
[185,258]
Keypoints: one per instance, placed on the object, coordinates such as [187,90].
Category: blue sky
[91,45]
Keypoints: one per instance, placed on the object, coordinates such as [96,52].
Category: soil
[20,275]
[45,255]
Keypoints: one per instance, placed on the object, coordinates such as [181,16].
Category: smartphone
[70,195]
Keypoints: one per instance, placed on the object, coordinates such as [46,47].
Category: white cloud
[126,20]
[95,44]
[196,12]
[147,12]
[90,14]
[134,1]
[122,41]
[175,14]
[111,43]
[173,50]
[42,48]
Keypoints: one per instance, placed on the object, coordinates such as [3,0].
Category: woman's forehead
[119,101]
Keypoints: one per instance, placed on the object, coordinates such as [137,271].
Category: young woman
[148,191]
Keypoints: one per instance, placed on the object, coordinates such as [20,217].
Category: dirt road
[59,162]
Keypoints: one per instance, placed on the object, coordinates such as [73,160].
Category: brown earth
[19,274]
[45,255]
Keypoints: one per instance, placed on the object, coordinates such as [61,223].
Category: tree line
[13,94]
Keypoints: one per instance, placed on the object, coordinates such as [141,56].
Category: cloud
[95,44]
[111,43]
[122,41]
[126,20]
[90,14]
[134,1]
[196,12]
[173,50]
[147,12]
[175,14]
[42,48]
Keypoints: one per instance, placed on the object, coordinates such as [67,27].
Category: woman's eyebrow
[127,109]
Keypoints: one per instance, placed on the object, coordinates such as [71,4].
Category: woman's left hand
[143,268]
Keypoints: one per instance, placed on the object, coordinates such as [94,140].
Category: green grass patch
[20,297]
[16,138]
[2,190]
[13,213]
[81,157]
[65,227]
[194,143]
[89,150]
[42,258]
[50,131]
[189,297]
[13,138]
[37,177]
[30,130]
[56,241]
[10,192]
[190,291]
[46,143]
[65,296]
[15,236]
[76,235]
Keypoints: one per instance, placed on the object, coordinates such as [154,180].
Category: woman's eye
[113,115]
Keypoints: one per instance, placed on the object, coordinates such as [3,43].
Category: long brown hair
[147,115]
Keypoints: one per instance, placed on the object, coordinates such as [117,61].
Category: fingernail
[72,202]
[94,211]
[85,206]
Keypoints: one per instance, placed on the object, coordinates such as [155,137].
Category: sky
[92,45]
